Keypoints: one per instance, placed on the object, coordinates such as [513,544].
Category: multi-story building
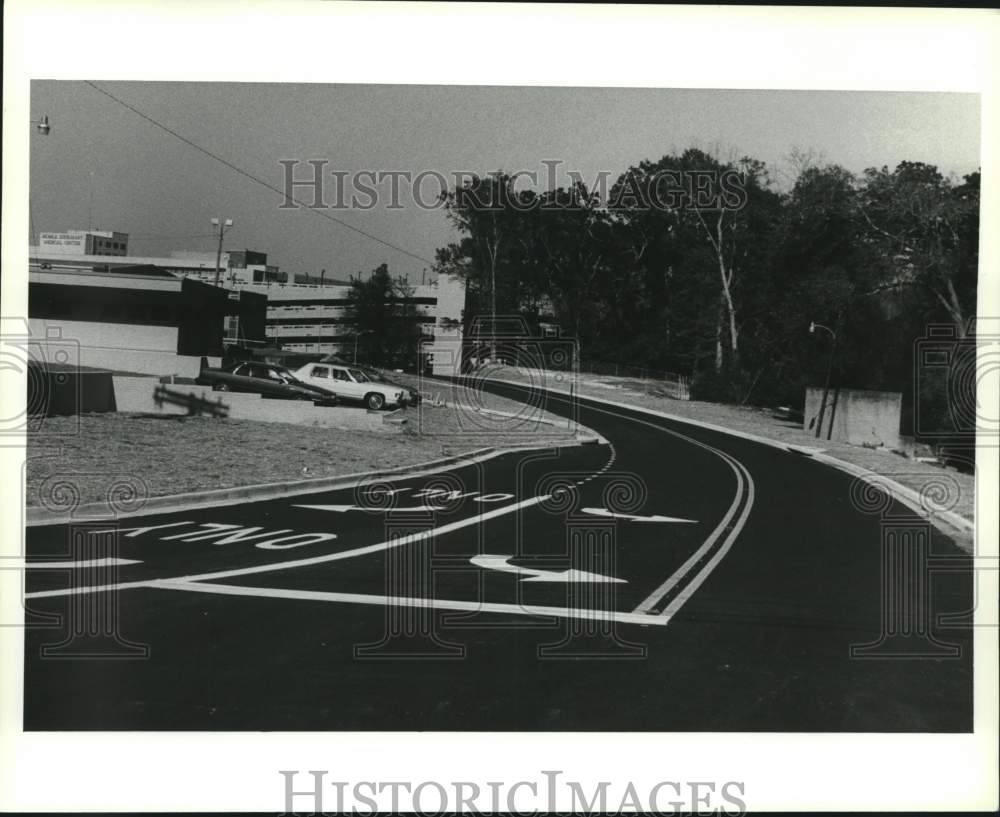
[314,318]
[84,242]
[139,319]
[309,318]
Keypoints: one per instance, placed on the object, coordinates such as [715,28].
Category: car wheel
[374,401]
[220,387]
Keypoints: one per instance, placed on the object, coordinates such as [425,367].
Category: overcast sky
[104,166]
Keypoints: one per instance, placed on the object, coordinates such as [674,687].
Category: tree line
[700,266]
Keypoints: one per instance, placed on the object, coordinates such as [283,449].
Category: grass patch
[172,454]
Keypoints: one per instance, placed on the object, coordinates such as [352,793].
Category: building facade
[84,242]
[263,308]
[138,319]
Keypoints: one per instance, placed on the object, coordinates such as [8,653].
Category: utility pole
[356,336]
[322,275]
[223,225]
[829,369]
[493,311]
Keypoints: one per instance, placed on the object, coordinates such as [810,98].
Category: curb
[948,522]
[36,515]
[904,494]
[590,431]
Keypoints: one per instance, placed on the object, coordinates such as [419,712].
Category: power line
[167,237]
[252,177]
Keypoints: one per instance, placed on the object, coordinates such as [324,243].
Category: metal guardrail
[195,404]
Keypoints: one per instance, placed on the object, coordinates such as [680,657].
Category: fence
[653,381]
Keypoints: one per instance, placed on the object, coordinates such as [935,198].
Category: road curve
[675,579]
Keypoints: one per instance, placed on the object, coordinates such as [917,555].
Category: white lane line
[313,560]
[81,563]
[406,601]
[692,586]
[746,484]
[95,588]
[343,508]
[745,487]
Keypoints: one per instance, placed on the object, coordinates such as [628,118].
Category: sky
[104,166]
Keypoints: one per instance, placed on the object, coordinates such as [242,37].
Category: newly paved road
[673,579]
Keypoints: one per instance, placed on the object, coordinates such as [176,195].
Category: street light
[813,326]
[356,336]
[43,128]
[223,225]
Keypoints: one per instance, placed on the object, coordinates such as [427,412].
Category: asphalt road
[673,579]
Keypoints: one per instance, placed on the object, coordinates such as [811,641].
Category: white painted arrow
[633,517]
[535,575]
[343,508]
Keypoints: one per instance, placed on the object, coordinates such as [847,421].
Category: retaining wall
[135,394]
[856,416]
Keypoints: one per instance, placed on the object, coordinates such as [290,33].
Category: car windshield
[359,375]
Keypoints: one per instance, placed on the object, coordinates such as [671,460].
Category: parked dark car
[266,379]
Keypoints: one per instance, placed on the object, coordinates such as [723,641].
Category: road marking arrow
[502,563]
[634,518]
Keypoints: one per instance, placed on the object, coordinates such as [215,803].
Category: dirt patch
[170,454]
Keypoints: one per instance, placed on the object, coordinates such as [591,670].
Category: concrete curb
[948,522]
[589,431]
[36,516]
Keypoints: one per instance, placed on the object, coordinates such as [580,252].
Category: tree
[492,253]
[701,227]
[926,230]
[382,317]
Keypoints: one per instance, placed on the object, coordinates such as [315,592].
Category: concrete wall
[856,416]
[56,392]
[115,347]
[128,337]
[135,394]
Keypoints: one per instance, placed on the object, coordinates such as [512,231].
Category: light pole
[319,348]
[356,336]
[223,225]
[44,128]
[829,368]
[493,312]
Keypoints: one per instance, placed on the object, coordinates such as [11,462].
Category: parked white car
[351,384]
